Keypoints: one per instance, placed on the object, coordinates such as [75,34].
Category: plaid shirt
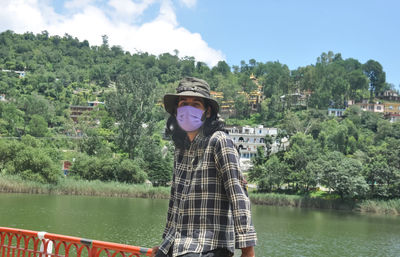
[209,207]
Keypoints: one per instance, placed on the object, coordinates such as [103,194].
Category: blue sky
[292,32]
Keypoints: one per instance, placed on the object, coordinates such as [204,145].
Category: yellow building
[227,107]
[256,96]
[392,108]
[365,105]
[217,95]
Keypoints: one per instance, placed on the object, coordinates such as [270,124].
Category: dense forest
[356,156]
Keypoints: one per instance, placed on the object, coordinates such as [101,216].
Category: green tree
[260,157]
[272,174]
[158,161]
[242,106]
[378,173]
[369,120]
[37,126]
[382,168]
[130,171]
[36,104]
[160,172]
[376,75]
[81,166]
[334,136]
[187,66]
[303,149]
[13,119]
[32,162]
[8,151]
[95,168]
[292,124]
[384,129]
[132,106]
[342,175]
[353,113]
[246,83]
[358,84]
[108,169]
[222,68]
[92,143]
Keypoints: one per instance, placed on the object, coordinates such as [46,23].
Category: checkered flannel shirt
[209,207]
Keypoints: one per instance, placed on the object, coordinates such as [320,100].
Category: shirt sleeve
[170,206]
[227,162]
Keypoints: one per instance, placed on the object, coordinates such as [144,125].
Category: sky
[292,32]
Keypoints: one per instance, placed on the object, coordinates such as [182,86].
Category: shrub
[32,164]
[130,171]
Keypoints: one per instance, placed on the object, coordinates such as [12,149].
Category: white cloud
[77,4]
[128,10]
[189,3]
[20,15]
[118,19]
[167,13]
[90,24]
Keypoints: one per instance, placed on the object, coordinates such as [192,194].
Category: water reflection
[281,231]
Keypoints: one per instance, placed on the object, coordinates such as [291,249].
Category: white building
[336,112]
[248,139]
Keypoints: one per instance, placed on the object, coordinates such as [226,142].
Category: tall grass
[68,186]
[299,201]
[15,184]
[391,207]
[380,206]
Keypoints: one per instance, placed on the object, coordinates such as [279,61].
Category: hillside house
[257,96]
[21,74]
[394,117]
[336,112]
[247,139]
[365,105]
[389,95]
[78,110]
[392,107]
[296,100]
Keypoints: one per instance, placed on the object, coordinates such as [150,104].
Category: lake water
[281,231]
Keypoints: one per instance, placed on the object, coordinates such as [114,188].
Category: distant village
[388,104]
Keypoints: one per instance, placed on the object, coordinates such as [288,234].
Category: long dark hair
[179,136]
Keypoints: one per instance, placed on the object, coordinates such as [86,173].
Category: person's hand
[248,252]
[154,251]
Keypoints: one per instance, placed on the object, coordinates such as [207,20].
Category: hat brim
[171,100]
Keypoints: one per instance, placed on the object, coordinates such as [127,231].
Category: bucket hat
[190,86]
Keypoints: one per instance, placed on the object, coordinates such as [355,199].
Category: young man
[209,209]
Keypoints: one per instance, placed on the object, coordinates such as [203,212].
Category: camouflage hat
[190,86]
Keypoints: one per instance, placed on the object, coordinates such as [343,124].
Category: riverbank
[389,207]
[68,186]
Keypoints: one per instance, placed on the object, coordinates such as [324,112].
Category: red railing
[27,243]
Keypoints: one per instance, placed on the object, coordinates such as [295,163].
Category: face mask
[189,118]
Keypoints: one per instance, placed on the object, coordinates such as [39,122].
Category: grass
[380,206]
[69,186]
[320,200]
[300,201]
[15,184]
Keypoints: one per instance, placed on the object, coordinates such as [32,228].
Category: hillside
[120,137]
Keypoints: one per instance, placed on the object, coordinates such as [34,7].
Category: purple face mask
[189,118]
